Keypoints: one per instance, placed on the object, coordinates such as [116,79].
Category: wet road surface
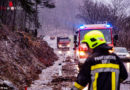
[126,85]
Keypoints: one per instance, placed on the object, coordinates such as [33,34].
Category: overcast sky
[60,19]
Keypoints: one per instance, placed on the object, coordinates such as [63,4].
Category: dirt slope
[22,57]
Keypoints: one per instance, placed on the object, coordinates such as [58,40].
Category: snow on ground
[46,77]
[47,74]
[52,43]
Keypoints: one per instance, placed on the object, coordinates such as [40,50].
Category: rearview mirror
[75,41]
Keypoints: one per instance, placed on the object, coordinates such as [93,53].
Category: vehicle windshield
[106,32]
[64,40]
[121,50]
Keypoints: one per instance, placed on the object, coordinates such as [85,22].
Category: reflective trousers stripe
[113,81]
[95,82]
[78,86]
[109,65]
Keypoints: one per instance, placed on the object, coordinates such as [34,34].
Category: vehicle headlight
[81,53]
[128,55]
[68,45]
[111,51]
[77,52]
[60,52]
[68,52]
[60,45]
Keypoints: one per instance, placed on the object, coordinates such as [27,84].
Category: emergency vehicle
[80,50]
[63,44]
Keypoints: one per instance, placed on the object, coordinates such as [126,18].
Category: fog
[60,20]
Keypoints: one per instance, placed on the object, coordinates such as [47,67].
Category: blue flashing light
[108,25]
[82,27]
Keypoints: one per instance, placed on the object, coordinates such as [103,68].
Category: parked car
[122,52]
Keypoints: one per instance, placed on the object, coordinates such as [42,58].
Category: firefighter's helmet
[94,38]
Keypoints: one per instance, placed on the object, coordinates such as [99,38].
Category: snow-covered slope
[47,74]
[46,77]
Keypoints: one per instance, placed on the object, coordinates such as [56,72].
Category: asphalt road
[126,84]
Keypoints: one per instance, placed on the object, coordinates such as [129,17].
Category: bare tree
[96,12]
[115,13]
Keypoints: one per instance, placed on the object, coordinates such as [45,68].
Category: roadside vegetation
[23,55]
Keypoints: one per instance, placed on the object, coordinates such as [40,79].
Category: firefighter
[102,70]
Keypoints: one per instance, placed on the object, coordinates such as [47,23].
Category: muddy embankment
[22,58]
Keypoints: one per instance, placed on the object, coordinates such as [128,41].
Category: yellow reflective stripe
[110,65]
[113,81]
[78,86]
[95,82]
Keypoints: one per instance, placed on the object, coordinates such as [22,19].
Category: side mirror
[116,37]
[75,41]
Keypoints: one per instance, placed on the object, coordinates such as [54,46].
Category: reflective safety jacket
[101,71]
